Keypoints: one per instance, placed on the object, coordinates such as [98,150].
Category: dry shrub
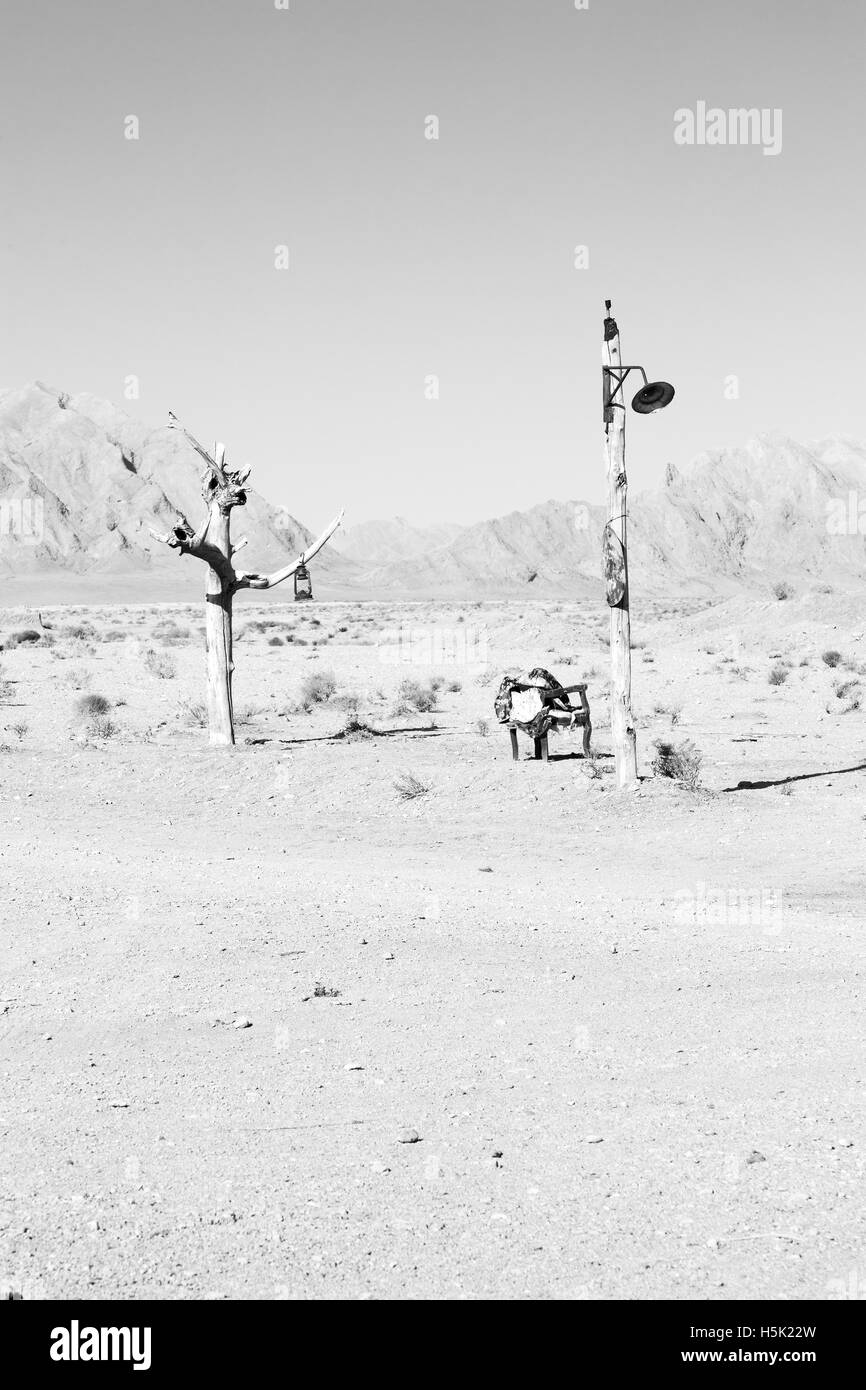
[778,675]
[169,632]
[408,787]
[413,696]
[192,712]
[681,762]
[102,727]
[356,728]
[317,688]
[160,664]
[92,706]
[78,676]
[831,658]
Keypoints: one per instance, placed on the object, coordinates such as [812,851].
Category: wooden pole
[621,717]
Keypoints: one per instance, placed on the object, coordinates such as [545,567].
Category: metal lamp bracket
[615,377]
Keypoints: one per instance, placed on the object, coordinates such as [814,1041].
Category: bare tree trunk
[218,630]
[222,490]
[621,717]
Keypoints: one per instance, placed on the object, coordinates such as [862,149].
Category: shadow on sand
[340,737]
[796,777]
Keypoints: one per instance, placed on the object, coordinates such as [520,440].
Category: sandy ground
[624,1032]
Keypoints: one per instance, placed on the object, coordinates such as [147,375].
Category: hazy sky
[453,257]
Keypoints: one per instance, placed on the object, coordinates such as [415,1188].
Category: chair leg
[587,727]
[515,751]
[538,748]
[544,749]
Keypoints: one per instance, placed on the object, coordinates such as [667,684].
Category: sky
[433,348]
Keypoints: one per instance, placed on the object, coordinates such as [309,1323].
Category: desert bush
[192,712]
[831,657]
[22,637]
[79,632]
[681,762]
[415,696]
[778,675]
[326,992]
[20,729]
[408,787]
[356,728]
[160,664]
[783,590]
[169,631]
[482,727]
[844,688]
[6,689]
[77,676]
[92,706]
[275,641]
[101,727]
[454,687]
[114,634]
[317,688]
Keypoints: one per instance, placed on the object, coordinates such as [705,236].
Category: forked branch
[249,580]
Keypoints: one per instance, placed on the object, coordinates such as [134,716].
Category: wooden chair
[563,715]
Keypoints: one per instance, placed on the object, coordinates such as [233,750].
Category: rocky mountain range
[81,483]
[769,511]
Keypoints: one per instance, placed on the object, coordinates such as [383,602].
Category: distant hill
[81,482]
[744,516]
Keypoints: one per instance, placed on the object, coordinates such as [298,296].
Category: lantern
[303,583]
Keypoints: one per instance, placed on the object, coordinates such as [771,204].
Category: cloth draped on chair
[518,701]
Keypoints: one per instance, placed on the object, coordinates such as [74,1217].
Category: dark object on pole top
[654,396]
[303,583]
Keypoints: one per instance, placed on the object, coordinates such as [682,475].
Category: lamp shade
[654,396]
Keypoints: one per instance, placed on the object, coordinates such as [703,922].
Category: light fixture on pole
[652,396]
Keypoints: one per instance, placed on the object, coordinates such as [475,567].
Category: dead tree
[222,491]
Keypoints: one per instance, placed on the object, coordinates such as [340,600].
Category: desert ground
[363,1009]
